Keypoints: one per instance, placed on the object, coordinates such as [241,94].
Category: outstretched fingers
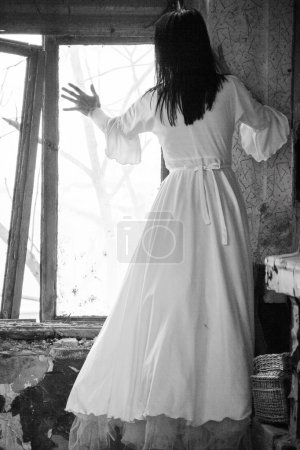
[71,109]
[76,88]
[74,100]
[93,90]
[70,92]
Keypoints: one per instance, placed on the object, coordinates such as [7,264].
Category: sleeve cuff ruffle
[120,147]
[124,149]
[263,143]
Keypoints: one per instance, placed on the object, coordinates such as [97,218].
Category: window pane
[95,193]
[12,78]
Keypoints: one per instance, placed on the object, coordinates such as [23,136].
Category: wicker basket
[271,362]
[270,388]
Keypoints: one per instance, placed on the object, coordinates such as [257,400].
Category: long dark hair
[186,73]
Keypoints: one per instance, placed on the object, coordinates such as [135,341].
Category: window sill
[29,330]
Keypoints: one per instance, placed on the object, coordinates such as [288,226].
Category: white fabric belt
[211,167]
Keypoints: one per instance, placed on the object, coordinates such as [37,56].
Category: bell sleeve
[122,132]
[263,130]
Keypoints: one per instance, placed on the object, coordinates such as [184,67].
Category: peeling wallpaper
[253,39]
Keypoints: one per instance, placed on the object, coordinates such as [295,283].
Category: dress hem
[144,416]
[159,432]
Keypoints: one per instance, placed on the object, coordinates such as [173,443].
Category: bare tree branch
[17,126]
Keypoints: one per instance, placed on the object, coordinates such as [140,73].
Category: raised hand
[83,102]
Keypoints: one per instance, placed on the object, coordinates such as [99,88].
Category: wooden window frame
[24,177]
[108,22]
[41,94]
[49,227]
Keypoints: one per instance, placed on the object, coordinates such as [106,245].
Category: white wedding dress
[171,366]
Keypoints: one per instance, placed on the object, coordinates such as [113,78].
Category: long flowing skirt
[171,366]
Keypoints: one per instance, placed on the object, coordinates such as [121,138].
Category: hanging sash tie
[211,167]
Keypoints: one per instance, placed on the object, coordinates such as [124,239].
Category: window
[78,192]
[22,74]
[95,193]
[12,79]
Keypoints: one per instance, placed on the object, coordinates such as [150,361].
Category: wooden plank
[32,331]
[103,40]
[41,6]
[72,319]
[49,183]
[127,26]
[119,17]
[24,181]
[17,48]
[17,320]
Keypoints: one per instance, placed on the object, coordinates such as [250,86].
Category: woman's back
[211,136]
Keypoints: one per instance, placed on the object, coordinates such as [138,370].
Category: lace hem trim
[89,432]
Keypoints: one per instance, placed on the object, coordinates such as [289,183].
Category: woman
[171,366]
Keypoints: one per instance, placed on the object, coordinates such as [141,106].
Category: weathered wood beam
[49,183]
[14,321]
[17,48]
[21,330]
[130,18]
[74,319]
[23,189]
[72,5]
[127,26]
[104,40]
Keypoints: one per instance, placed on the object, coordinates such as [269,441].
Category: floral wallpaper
[253,39]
